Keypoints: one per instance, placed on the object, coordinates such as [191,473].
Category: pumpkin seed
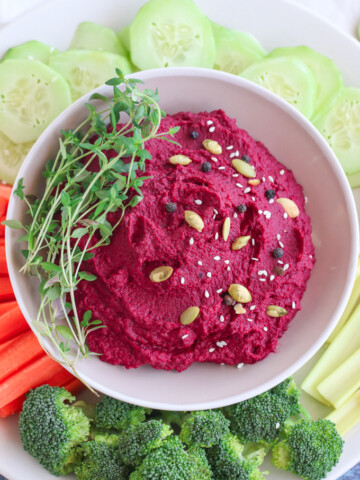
[240,293]
[244,168]
[189,315]
[194,220]
[254,182]
[275,311]
[239,309]
[180,160]
[212,146]
[160,274]
[226,228]
[290,207]
[240,242]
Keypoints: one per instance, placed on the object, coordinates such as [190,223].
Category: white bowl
[293,141]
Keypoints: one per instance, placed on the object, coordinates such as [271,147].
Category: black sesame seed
[194,134]
[241,208]
[170,207]
[206,167]
[228,300]
[278,252]
[269,194]
[246,158]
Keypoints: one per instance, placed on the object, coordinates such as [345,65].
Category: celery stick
[342,382]
[346,416]
[353,300]
[344,345]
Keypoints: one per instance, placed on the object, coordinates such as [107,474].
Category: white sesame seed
[250,320]
[235,215]
[228,269]
[217,258]
[211,350]
[265,329]
[271,201]
[247,190]
[278,236]
[191,241]
[272,277]
[200,262]
[281,244]
[286,266]
[260,212]
[230,147]
[282,172]
[252,307]
[221,344]
[262,279]
[182,281]
[262,272]
[208,274]
[267,214]
[215,211]
[209,122]
[221,168]
[253,199]
[238,185]
[281,262]
[310,256]
[271,178]
[306,199]
[212,129]
[214,159]
[285,215]
[219,290]
[198,202]
[216,235]
[263,179]
[293,305]
[214,217]
[222,319]
[185,336]
[235,175]
[207,294]
[227,262]
[277,426]
[256,259]
[239,365]
[253,241]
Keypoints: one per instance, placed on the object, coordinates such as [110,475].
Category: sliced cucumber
[124,38]
[169,33]
[91,36]
[328,77]
[11,157]
[235,50]
[289,78]
[31,96]
[340,126]
[86,70]
[32,50]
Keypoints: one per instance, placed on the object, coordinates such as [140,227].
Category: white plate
[275,23]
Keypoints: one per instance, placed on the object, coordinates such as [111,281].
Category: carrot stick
[6,306]
[12,323]
[34,374]
[7,344]
[6,291]
[5,191]
[12,407]
[3,206]
[2,227]
[3,264]
[23,350]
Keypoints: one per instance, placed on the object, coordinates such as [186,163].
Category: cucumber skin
[33,48]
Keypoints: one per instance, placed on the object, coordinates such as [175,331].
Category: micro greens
[69,221]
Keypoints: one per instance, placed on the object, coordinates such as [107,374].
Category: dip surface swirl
[143,316]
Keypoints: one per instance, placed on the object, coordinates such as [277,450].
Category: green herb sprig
[69,221]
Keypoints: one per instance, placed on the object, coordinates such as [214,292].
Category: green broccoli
[169,462]
[51,429]
[111,413]
[260,419]
[204,428]
[138,440]
[105,436]
[100,461]
[202,469]
[309,449]
[228,462]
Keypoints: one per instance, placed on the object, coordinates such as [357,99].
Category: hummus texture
[142,316]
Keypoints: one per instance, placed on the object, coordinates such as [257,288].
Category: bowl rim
[331,159]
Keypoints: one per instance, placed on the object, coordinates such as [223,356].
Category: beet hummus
[250,235]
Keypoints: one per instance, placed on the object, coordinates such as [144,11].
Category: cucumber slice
[328,77]
[86,70]
[32,50]
[340,126]
[168,33]
[235,50]
[31,96]
[289,78]
[91,36]
[124,38]
[11,157]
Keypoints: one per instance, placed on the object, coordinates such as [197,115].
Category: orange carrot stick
[34,374]
[3,206]
[23,350]
[6,306]
[2,227]
[12,323]
[5,191]
[6,291]
[7,344]
[3,264]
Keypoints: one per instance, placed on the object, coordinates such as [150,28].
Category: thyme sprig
[70,220]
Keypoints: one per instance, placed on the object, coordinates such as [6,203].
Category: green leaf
[23,238]
[19,191]
[25,253]
[50,267]
[89,256]
[41,328]
[65,198]
[174,130]
[87,276]
[96,322]
[114,81]
[65,331]
[79,232]
[97,96]
[136,199]
[86,318]
[13,224]
[53,293]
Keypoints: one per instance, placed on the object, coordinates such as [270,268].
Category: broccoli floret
[202,469]
[310,449]
[204,428]
[260,419]
[100,461]
[51,429]
[105,436]
[138,440]
[169,462]
[228,463]
[115,414]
